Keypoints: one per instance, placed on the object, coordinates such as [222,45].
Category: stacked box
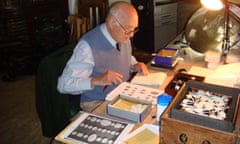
[166,57]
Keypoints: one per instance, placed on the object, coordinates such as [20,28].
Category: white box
[129,108]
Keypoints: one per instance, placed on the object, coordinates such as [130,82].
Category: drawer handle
[183,138]
[206,142]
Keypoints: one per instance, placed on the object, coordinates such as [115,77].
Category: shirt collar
[105,32]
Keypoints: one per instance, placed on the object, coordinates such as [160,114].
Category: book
[152,79]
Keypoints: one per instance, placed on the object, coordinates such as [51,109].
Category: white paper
[152,128]
[200,71]
[152,79]
[224,75]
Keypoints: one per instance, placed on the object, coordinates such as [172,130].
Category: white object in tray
[135,91]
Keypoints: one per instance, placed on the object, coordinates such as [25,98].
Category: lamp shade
[205,28]
[212,4]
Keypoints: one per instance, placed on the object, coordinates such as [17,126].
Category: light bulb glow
[212,4]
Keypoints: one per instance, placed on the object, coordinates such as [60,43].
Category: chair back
[90,14]
[78,26]
[53,108]
[95,10]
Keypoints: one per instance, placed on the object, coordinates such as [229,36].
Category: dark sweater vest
[106,57]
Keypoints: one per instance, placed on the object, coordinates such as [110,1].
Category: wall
[112,1]
[185,10]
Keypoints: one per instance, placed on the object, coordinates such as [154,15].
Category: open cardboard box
[129,108]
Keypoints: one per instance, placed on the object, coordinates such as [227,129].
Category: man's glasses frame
[126,31]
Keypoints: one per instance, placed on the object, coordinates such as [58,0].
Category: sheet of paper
[90,128]
[199,71]
[224,75]
[146,134]
[152,79]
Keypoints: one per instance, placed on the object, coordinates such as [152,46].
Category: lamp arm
[226,38]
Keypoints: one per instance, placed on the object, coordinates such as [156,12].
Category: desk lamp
[217,5]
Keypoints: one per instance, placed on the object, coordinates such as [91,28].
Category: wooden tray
[181,131]
[174,85]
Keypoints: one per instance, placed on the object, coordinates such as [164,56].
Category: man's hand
[141,68]
[107,78]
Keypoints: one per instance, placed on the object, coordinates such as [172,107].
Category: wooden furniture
[90,14]
[174,131]
[174,128]
[157,24]
[78,26]
[29,30]
[95,10]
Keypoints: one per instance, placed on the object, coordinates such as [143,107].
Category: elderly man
[102,58]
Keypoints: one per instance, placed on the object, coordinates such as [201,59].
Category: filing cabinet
[157,24]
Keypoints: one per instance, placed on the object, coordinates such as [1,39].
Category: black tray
[227,124]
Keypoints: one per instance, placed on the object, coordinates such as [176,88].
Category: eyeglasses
[126,31]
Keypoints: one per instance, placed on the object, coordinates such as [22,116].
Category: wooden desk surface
[151,118]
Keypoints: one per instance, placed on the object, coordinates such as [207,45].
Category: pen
[105,88]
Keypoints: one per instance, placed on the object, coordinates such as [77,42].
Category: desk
[151,118]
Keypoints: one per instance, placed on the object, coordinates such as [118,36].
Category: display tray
[207,105]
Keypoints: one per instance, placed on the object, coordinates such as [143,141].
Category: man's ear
[111,22]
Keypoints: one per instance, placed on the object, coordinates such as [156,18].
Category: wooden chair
[95,10]
[78,27]
[82,25]
[54,109]
[90,14]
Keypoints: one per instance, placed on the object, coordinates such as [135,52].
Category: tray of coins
[93,129]
[207,105]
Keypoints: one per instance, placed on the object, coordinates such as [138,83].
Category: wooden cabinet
[29,30]
[157,24]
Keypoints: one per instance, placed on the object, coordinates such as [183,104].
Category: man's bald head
[122,8]
[121,21]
